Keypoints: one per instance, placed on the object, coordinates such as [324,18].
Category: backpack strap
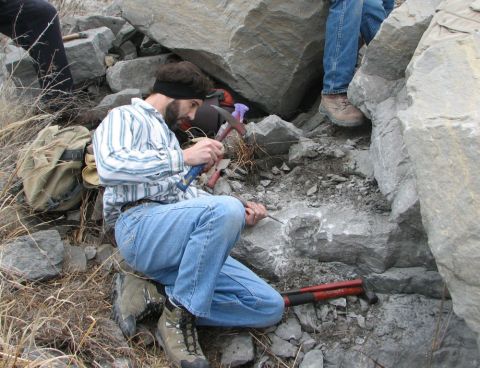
[72,155]
[53,204]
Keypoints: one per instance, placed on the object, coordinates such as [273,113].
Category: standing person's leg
[372,17]
[339,60]
[35,26]
[388,5]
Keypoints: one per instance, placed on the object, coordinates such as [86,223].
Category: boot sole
[341,123]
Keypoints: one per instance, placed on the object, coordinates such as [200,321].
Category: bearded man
[180,239]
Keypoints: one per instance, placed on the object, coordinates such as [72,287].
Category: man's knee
[230,208]
[276,307]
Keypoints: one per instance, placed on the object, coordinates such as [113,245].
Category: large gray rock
[87,55]
[442,136]
[378,90]
[20,66]
[343,234]
[273,135]
[268,51]
[109,102]
[369,242]
[138,73]
[84,23]
[34,257]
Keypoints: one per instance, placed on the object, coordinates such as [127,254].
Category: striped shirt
[138,156]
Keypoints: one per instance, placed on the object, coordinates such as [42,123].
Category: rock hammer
[232,123]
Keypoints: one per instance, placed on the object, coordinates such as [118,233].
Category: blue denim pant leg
[183,245]
[373,15]
[242,299]
[388,5]
[341,44]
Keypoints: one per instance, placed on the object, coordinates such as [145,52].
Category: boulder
[378,90]
[34,257]
[84,23]
[268,51]
[273,135]
[138,73]
[20,66]
[237,350]
[442,136]
[87,55]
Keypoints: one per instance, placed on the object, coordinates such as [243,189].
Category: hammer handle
[323,287]
[213,179]
[225,132]
[191,175]
[297,299]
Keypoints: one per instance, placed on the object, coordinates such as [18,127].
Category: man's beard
[172,113]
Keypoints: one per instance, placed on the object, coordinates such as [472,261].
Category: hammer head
[234,123]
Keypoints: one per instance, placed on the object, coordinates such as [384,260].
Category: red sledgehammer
[315,293]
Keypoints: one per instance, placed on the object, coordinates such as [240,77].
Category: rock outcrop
[442,136]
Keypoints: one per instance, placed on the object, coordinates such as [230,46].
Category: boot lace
[189,332]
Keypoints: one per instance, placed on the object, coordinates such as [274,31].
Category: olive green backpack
[51,168]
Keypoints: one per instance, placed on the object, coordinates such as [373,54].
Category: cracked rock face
[300,231]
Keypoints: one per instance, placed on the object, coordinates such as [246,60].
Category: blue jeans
[185,246]
[347,20]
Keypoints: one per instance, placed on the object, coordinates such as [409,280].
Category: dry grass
[65,320]
[79,7]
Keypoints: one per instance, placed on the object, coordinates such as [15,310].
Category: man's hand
[206,151]
[254,212]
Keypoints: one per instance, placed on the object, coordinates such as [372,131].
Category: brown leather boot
[177,334]
[340,111]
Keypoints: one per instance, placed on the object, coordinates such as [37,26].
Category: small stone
[282,348]
[265,183]
[284,167]
[266,175]
[339,302]
[338,153]
[276,171]
[351,299]
[359,340]
[75,259]
[289,330]
[110,60]
[238,350]
[312,190]
[338,178]
[312,359]
[90,252]
[364,307]
[361,321]
[104,255]
[307,342]
[236,185]
[260,189]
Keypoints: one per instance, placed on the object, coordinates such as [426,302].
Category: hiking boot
[340,111]
[133,299]
[177,334]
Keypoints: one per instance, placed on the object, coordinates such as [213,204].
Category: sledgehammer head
[234,123]
[369,296]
